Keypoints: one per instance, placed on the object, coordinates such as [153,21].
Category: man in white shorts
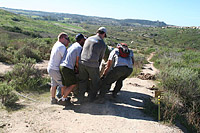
[57,53]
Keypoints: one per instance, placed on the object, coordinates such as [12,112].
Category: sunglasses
[67,38]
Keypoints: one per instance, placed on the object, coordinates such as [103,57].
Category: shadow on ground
[15,107]
[127,104]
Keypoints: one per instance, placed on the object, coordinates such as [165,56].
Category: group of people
[84,58]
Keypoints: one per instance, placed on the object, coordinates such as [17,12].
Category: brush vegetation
[28,38]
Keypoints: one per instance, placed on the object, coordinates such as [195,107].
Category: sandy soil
[123,115]
[5,68]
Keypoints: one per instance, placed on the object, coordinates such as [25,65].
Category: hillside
[28,37]
[12,22]
[74,18]
[20,27]
[23,36]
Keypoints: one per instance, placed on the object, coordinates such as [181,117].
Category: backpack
[123,50]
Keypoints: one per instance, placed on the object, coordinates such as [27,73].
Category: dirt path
[149,68]
[123,115]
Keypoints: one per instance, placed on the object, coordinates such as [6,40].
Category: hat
[102,29]
[79,37]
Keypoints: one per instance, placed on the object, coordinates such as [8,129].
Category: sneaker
[80,99]
[64,103]
[78,102]
[54,101]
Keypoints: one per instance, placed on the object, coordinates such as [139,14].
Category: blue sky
[175,12]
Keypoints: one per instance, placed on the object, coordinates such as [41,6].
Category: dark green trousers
[86,73]
[118,74]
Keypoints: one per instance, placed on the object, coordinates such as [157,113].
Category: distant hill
[74,18]
[11,23]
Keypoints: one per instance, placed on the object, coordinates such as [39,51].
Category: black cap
[79,37]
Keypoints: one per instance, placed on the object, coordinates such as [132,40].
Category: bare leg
[63,90]
[53,91]
[68,90]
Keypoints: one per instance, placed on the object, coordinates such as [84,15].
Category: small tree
[24,76]
[7,96]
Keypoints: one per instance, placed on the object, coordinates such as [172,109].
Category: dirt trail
[123,115]
[149,68]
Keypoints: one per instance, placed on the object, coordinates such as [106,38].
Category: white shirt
[57,54]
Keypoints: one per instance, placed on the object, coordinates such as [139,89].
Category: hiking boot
[64,103]
[54,101]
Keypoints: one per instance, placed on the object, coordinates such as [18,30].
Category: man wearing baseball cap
[69,66]
[91,57]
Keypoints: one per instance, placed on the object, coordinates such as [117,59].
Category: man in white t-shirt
[57,53]
[69,66]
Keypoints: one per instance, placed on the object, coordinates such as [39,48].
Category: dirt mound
[146,76]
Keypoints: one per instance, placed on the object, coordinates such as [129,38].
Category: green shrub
[166,62]
[7,96]
[183,81]
[6,57]
[180,74]
[13,29]
[40,46]
[149,50]
[186,83]
[4,40]
[24,76]
[140,60]
[29,53]
[170,106]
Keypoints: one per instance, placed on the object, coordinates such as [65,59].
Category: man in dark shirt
[91,57]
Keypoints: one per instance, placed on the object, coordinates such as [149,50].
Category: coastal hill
[75,18]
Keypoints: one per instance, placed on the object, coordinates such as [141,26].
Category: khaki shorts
[55,78]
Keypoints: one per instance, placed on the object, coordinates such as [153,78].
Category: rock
[146,76]
[2,125]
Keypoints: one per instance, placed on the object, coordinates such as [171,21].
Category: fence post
[159,108]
